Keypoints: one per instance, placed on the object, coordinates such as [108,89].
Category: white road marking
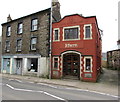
[46,93]
[66,88]
[15,80]
[54,96]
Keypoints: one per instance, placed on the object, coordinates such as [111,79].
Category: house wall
[90,47]
[43,40]
[113,59]
[42,34]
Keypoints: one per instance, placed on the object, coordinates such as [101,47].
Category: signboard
[88,75]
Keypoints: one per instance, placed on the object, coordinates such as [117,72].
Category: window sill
[34,30]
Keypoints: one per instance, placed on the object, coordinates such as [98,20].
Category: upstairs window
[71,33]
[7,46]
[56,34]
[19,45]
[33,43]
[20,28]
[34,24]
[87,31]
[8,32]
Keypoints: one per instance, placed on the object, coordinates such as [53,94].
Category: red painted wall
[85,47]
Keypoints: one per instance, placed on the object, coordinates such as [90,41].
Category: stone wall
[113,59]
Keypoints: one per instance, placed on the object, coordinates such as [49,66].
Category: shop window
[33,64]
[34,24]
[55,63]
[88,64]
[88,31]
[56,34]
[8,32]
[20,28]
[7,46]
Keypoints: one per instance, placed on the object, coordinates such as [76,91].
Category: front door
[71,65]
[19,66]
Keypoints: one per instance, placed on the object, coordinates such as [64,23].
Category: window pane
[55,63]
[8,31]
[33,43]
[88,64]
[20,28]
[34,40]
[19,45]
[56,34]
[7,46]
[71,33]
[87,30]
[34,24]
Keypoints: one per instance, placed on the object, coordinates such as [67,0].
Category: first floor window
[19,45]
[88,64]
[33,43]
[55,63]
[87,32]
[56,35]
[7,47]
[71,33]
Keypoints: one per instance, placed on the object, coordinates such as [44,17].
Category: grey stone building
[113,59]
[26,42]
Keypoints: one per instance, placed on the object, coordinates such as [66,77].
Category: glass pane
[71,33]
[87,30]
[88,64]
[34,40]
[56,34]
[34,24]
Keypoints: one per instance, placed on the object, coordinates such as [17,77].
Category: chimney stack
[56,10]
[9,18]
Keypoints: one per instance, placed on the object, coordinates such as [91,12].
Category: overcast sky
[106,12]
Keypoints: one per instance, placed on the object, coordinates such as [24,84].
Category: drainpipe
[50,52]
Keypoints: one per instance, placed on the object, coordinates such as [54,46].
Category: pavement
[107,83]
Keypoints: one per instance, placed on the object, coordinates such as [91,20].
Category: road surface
[13,89]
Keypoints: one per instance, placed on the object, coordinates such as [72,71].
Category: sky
[106,12]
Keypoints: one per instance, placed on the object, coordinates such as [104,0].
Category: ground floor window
[88,64]
[33,64]
[55,63]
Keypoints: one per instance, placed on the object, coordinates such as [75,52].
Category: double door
[71,65]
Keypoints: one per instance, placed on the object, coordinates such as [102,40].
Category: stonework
[113,59]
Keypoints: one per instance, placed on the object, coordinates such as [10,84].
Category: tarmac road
[13,89]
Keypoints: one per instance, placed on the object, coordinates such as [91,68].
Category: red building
[76,48]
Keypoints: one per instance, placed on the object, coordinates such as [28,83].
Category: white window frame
[20,28]
[31,48]
[8,33]
[69,28]
[19,48]
[90,31]
[33,26]
[7,47]
[58,34]
[53,63]
[91,64]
